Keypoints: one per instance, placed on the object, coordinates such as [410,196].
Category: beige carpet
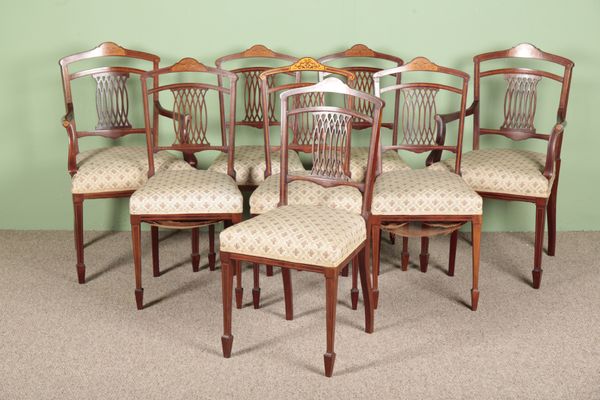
[61,340]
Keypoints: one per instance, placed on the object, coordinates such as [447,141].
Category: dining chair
[414,202]
[249,162]
[513,174]
[186,198]
[112,171]
[363,62]
[312,238]
[266,196]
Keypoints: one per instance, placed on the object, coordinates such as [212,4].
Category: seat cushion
[266,196]
[506,171]
[424,192]
[359,156]
[187,192]
[314,235]
[250,165]
[118,169]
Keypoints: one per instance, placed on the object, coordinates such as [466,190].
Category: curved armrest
[184,119]
[554,145]
[68,122]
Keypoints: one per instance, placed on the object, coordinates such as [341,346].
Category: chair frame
[257,52]
[306,64]
[106,49]
[377,221]
[553,160]
[182,221]
[230,260]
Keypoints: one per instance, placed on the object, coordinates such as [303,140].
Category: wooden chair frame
[230,261]
[421,64]
[183,221]
[107,130]
[553,160]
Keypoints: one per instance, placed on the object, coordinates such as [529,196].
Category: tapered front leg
[227,288]
[288,294]
[376,241]
[452,255]
[368,298]
[476,233]
[424,257]
[195,249]
[239,290]
[155,254]
[136,241]
[540,219]
[211,247]
[78,233]
[354,290]
[331,288]
[551,209]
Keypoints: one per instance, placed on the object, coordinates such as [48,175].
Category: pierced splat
[418,116]
[112,100]
[330,145]
[190,105]
[364,83]
[520,102]
[302,124]
[252,94]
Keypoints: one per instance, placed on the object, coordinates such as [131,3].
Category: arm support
[554,146]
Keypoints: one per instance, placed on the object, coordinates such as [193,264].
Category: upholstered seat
[120,168]
[306,234]
[390,161]
[424,192]
[249,164]
[187,192]
[506,171]
[266,196]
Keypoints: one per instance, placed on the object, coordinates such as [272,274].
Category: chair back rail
[190,113]
[330,134]
[423,128]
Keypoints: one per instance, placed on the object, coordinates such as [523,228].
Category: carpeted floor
[61,340]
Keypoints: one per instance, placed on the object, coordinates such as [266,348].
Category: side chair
[415,202]
[187,198]
[312,238]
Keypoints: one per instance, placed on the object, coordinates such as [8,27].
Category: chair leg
[227,287]
[239,290]
[288,294]
[345,270]
[78,232]
[256,288]
[155,254]
[376,240]
[405,255]
[476,233]
[424,256]
[551,210]
[269,270]
[392,238]
[367,289]
[195,249]
[331,288]
[452,256]
[136,240]
[540,214]
[211,247]
[354,290]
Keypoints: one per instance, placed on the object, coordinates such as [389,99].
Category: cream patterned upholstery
[187,192]
[266,196]
[506,171]
[249,164]
[314,235]
[390,161]
[424,192]
[118,169]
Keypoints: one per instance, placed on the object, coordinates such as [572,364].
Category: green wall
[34,183]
